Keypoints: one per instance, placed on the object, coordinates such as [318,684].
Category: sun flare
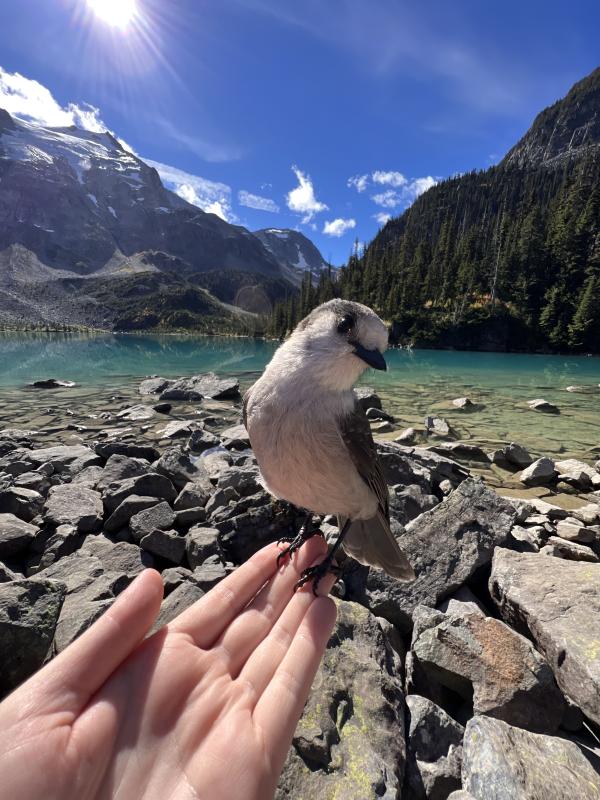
[118,13]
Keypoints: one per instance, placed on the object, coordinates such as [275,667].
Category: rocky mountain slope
[293,250]
[76,205]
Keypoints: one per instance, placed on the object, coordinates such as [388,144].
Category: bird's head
[337,341]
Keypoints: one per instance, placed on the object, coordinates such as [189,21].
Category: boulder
[529,539]
[407,436]
[189,516]
[108,449]
[193,495]
[15,535]
[570,550]
[162,408]
[61,457]
[557,605]
[77,615]
[436,426]
[62,542]
[461,450]
[481,658]
[446,546]
[576,473]
[200,544]
[167,544]
[235,438]
[182,597]
[349,742]
[574,531]
[433,752]
[201,440]
[153,386]
[588,514]
[29,611]
[501,762]
[209,574]
[418,465]
[177,429]
[514,455]
[544,406]
[150,484]
[540,473]
[126,509]
[367,397]
[23,503]
[119,468]
[53,383]
[180,468]
[157,517]
[464,403]
[71,504]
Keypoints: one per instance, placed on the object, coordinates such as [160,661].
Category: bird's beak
[371,357]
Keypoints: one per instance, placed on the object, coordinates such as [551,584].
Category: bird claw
[316,574]
[296,543]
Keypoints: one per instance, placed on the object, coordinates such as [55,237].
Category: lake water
[417,383]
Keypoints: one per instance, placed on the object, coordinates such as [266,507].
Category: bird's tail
[371,542]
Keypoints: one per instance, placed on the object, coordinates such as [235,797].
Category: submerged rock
[53,383]
[543,406]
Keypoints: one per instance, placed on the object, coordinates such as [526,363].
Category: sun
[118,13]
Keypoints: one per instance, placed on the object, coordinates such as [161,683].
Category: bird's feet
[317,573]
[305,533]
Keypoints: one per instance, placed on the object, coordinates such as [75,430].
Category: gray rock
[235,438]
[15,535]
[417,465]
[108,449]
[7,574]
[539,473]
[551,511]
[245,480]
[71,504]
[220,499]
[572,551]
[436,426]
[201,440]
[378,414]
[122,558]
[407,436]
[36,481]
[180,468]
[349,742]
[61,457]
[53,383]
[464,403]
[182,597]
[381,427]
[480,657]
[23,503]
[588,514]
[543,406]
[65,540]
[462,602]
[189,516]
[162,408]
[200,544]
[139,413]
[434,751]
[367,397]
[558,606]
[461,795]
[193,495]
[501,762]
[153,386]
[208,575]
[149,485]
[77,616]
[512,454]
[126,509]
[445,546]
[528,539]
[157,517]
[576,473]
[461,450]
[406,503]
[172,577]
[572,530]
[29,611]
[177,429]
[167,544]
[119,468]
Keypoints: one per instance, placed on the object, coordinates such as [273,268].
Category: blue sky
[324,115]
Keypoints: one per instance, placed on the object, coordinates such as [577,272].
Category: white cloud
[382,217]
[338,227]
[30,100]
[211,196]
[359,182]
[395,179]
[420,185]
[387,199]
[257,202]
[302,199]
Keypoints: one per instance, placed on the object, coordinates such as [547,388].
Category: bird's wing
[371,542]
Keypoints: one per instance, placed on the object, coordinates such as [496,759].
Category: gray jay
[312,439]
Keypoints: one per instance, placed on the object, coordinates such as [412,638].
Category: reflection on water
[417,383]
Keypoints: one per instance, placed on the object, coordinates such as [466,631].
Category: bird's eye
[346,324]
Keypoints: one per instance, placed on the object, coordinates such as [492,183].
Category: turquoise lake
[417,383]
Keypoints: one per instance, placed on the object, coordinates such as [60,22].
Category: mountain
[293,251]
[75,205]
[506,258]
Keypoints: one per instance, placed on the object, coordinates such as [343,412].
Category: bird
[312,439]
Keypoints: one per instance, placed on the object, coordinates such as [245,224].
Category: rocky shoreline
[479,680]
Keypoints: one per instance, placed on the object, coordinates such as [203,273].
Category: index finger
[206,619]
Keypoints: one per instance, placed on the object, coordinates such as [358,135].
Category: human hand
[204,708]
